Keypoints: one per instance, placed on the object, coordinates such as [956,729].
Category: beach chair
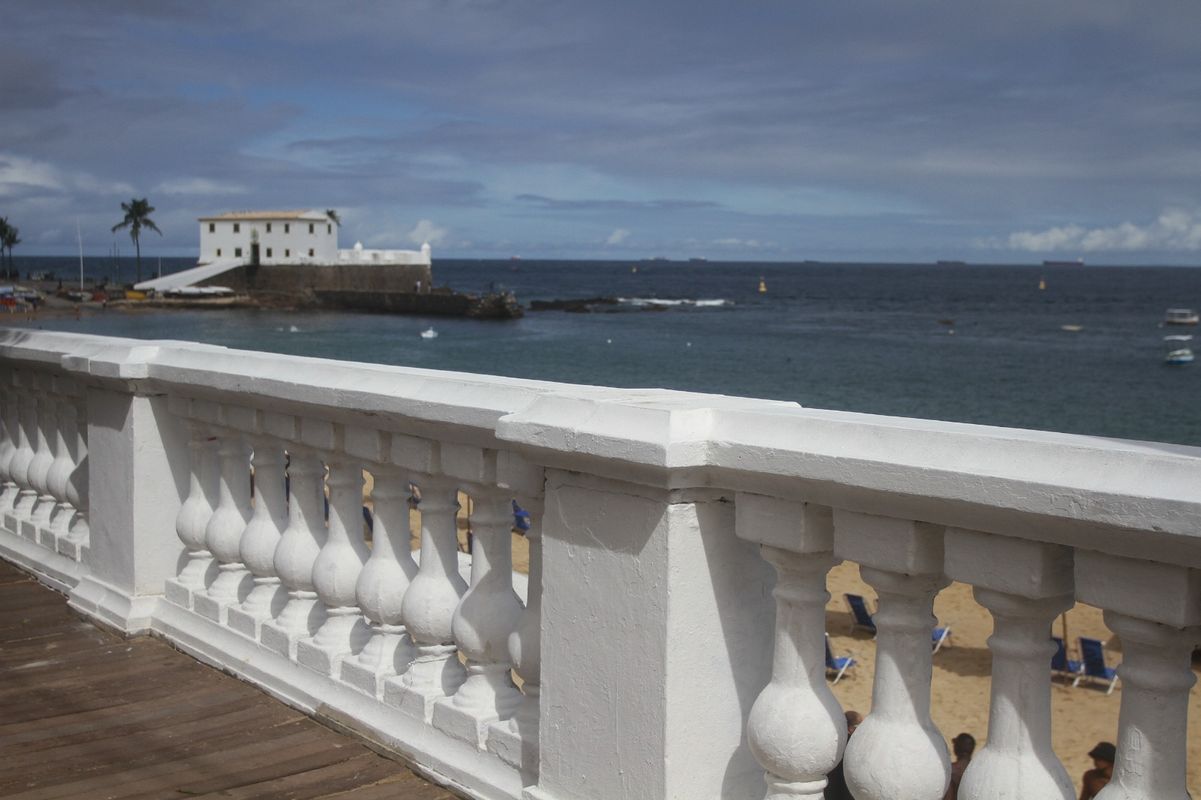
[1092,653]
[1060,663]
[862,618]
[838,665]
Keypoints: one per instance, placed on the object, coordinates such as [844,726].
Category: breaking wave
[656,301]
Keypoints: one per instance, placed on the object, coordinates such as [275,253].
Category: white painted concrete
[647,643]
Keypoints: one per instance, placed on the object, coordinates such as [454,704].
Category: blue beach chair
[838,665]
[1060,663]
[1093,655]
[862,618]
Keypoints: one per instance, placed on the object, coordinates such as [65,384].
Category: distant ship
[1077,263]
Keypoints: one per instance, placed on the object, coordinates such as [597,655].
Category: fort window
[218,252]
[237,228]
[268,227]
[310,252]
[311,230]
[237,252]
[212,227]
[287,228]
[329,228]
[287,253]
[268,252]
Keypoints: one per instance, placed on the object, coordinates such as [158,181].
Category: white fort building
[269,238]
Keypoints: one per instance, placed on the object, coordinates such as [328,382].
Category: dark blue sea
[969,343]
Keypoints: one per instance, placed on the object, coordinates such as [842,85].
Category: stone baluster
[193,518]
[382,585]
[429,605]
[8,444]
[487,614]
[27,436]
[59,476]
[39,467]
[77,484]
[223,533]
[336,571]
[897,751]
[298,548]
[796,729]
[1026,585]
[1155,609]
[261,538]
[516,739]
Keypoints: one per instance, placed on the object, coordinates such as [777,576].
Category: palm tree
[333,215]
[4,226]
[11,238]
[137,216]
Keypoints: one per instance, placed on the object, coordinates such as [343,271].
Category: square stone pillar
[138,470]
[657,626]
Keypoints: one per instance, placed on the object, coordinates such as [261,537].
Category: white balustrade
[9,442]
[796,730]
[78,530]
[485,617]
[1155,609]
[897,751]
[656,654]
[24,456]
[336,572]
[381,587]
[59,475]
[1025,585]
[428,608]
[260,540]
[223,533]
[298,547]
[193,518]
[516,739]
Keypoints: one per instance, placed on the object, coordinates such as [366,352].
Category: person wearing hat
[1096,779]
[962,746]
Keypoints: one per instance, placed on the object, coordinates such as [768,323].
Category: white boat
[1180,316]
[429,333]
[1179,353]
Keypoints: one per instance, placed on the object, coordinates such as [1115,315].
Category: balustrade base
[469,724]
[385,656]
[299,620]
[429,679]
[328,649]
[179,593]
[72,550]
[28,529]
[250,622]
[217,608]
[128,614]
[58,571]
[442,758]
[515,741]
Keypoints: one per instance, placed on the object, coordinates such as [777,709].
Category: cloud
[618,236]
[1175,229]
[22,176]
[731,241]
[555,204]
[198,186]
[426,231]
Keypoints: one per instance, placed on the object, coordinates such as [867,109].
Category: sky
[877,130]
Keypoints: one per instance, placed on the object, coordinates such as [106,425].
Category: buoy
[1042,283]
[634,270]
[762,286]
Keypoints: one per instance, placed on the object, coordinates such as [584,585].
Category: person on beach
[962,746]
[1096,779]
[836,782]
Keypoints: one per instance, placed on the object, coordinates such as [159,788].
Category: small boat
[429,333]
[1071,328]
[1042,284]
[762,286]
[1180,316]
[1179,353]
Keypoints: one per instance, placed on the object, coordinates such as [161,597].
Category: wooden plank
[87,714]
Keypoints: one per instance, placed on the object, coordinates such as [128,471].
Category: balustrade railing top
[670,644]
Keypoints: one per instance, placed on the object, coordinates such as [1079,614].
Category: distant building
[288,237]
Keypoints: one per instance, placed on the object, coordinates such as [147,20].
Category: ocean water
[968,343]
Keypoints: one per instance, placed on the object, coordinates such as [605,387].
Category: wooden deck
[87,714]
